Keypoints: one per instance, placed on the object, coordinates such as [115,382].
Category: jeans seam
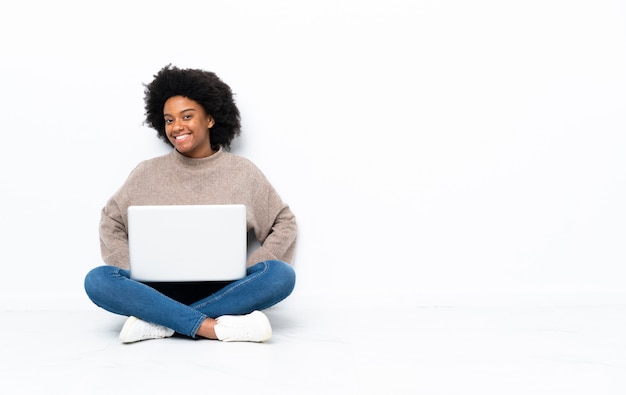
[228,291]
[197,325]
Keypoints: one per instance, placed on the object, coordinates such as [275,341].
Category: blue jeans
[265,284]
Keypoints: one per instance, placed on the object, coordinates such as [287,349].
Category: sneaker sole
[128,325]
[262,317]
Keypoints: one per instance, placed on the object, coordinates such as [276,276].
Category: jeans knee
[284,276]
[92,281]
[98,280]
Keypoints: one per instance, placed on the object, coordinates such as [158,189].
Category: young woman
[194,112]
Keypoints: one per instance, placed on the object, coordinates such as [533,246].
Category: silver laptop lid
[187,242]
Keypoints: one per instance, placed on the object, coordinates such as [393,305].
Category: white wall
[438,152]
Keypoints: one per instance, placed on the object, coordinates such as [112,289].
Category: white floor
[328,349]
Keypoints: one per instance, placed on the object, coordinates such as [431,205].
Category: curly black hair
[203,87]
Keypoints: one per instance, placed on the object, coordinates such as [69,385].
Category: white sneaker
[253,327]
[135,330]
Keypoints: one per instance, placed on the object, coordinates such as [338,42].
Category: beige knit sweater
[222,178]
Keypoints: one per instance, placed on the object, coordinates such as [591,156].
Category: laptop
[187,242]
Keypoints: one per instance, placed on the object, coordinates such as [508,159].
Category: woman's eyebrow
[185,110]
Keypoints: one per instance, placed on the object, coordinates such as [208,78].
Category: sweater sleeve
[275,228]
[113,235]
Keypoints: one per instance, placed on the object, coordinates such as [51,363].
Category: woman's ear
[210,121]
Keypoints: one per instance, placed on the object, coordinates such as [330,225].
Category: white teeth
[182,136]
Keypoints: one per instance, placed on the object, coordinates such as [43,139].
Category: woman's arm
[275,227]
[113,236]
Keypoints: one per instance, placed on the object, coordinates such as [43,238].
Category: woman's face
[187,127]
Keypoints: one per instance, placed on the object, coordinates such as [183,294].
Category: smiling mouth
[181,136]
